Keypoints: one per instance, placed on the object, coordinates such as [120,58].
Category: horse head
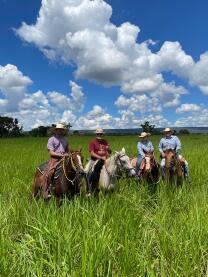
[123,162]
[170,158]
[149,161]
[77,160]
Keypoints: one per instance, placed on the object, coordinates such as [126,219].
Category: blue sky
[106,90]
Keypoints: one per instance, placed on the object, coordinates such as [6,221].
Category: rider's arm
[140,150]
[94,155]
[161,148]
[55,155]
[178,144]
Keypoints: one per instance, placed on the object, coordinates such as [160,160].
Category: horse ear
[123,150]
[80,148]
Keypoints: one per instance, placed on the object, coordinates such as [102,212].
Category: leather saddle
[43,167]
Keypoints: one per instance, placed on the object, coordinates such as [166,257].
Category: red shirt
[99,147]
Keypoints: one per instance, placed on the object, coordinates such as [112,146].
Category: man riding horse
[144,146]
[99,152]
[171,142]
[58,148]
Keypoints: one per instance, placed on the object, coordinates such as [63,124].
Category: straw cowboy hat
[144,134]
[99,131]
[166,130]
[61,126]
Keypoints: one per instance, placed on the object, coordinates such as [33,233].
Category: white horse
[119,162]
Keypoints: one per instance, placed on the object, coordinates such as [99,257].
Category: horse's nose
[132,172]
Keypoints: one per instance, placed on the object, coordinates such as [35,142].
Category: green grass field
[131,232]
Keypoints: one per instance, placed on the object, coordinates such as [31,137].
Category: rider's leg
[186,169]
[162,164]
[95,176]
[138,164]
[48,174]
[184,164]
[88,170]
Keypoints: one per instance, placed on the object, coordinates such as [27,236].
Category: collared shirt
[144,147]
[171,142]
[99,147]
[57,144]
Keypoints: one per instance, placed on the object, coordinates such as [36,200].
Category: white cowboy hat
[60,126]
[167,130]
[99,131]
[144,134]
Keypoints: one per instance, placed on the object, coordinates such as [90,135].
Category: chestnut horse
[150,169]
[173,172]
[67,177]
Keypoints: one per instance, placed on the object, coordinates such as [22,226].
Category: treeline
[10,127]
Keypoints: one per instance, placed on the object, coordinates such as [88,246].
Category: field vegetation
[131,232]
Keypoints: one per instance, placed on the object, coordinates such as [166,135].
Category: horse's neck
[111,164]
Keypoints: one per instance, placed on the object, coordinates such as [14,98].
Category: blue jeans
[138,164]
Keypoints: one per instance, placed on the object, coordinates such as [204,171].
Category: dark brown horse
[150,169]
[173,172]
[67,177]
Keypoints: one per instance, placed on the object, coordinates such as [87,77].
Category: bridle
[75,167]
[120,167]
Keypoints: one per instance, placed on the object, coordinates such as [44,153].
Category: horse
[67,177]
[173,172]
[149,170]
[112,169]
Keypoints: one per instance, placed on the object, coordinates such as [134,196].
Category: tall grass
[132,232]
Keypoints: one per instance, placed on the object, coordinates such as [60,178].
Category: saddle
[41,168]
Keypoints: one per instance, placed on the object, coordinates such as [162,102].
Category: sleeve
[160,146]
[50,144]
[91,146]
[140,150]
[178,144]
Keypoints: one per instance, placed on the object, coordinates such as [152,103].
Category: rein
[73,166]
[111,175]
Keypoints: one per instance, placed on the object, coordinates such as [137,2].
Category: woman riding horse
[146,166]
[144,146]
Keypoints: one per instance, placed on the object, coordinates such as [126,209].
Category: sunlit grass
[132,232]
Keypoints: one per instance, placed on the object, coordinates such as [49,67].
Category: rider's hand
[103,158]
[65,155]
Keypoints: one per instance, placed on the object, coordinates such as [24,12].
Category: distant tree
[146,127]
[40,131]
[184,132]
[9,127]
[75,132]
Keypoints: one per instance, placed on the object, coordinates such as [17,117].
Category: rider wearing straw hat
[144,146]
[99,147]
[58,148]
[169,141]
[99,151]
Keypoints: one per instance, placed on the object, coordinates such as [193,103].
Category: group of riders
[99,149]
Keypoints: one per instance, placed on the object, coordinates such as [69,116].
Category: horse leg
[59,201]
[36,186]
